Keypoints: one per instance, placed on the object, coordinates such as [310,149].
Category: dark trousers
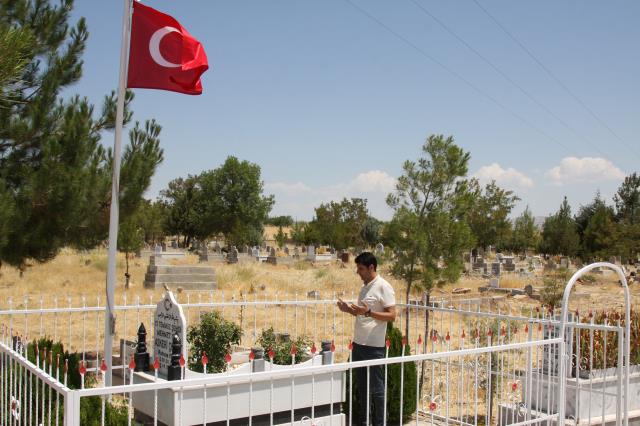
[375,391]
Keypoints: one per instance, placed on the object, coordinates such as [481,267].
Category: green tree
[489,217]
[429,229]
[340,224]
[231,202]
[598,230]
[627,202]
[15,43]
[559,233]
[153,216]
[280,221]
[627,199]
[281,237]
[371,231]
[130,239]
[55,175]
[180,199]
[525,233]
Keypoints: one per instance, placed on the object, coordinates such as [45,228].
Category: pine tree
[55,175]
[559,234]
[429,229]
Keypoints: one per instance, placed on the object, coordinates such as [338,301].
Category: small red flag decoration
[156,364]
[103,366]
[227,358]
[162,54]
[182,361]
[132,364]
[82,369]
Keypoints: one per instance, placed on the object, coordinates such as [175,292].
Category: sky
[331,97]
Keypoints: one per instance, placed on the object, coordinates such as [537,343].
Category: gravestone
[495,269]
[169,320]
[379,249]
[255,252]
[245,249]
[232,256]
[272,259]
[286,250]
[216,248]
[550,265]
[311,253]
[174,244]
[296,253]
[509,265]
[158,248]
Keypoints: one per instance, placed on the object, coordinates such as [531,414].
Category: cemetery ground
[76,279]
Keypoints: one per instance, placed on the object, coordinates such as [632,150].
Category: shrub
[213,335]
[282,349]
[610,359]
[554,284]
[393,383]
[90,407]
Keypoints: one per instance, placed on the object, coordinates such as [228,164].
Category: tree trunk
[425,341]
[406,317]
[126,274]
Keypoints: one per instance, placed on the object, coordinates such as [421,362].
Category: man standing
[374,308]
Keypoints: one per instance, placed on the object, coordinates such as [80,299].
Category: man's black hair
[367,259]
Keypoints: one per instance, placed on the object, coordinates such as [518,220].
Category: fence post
[72,408]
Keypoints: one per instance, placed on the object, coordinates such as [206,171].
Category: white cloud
[299,200]
[508,178]
[373,181]
[585,169]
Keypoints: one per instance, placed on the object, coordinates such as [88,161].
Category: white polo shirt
[377,295]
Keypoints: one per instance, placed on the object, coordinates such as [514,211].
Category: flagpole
[109,317]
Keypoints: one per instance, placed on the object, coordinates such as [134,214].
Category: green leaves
[228,200]
[55,175]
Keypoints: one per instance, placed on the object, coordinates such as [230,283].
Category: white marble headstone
[168,320]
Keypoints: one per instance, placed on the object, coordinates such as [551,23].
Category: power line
[506,77]
[457,75]
[555,78]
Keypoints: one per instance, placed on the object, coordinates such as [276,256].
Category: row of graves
[182,405]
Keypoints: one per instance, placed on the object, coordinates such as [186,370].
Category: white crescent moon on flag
[154,47]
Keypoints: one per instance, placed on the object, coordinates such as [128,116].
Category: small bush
[282,350]
[213,335]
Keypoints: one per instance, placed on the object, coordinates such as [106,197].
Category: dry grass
[72,276]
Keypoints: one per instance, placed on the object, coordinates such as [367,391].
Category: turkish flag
[162,54]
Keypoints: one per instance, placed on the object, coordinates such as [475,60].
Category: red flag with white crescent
[162,54]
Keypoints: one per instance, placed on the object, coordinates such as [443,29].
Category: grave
[495,269]
[379,249]
[189,277]
[232,256]
[314,256]
[185,405]
[508,264]
[169,320]
[207,256]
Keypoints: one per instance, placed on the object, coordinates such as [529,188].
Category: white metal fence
[474,361]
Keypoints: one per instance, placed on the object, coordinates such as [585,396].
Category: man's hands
[352,308]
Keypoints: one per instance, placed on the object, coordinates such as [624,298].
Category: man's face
[366,273]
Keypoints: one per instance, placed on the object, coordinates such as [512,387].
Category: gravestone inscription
[169,320]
